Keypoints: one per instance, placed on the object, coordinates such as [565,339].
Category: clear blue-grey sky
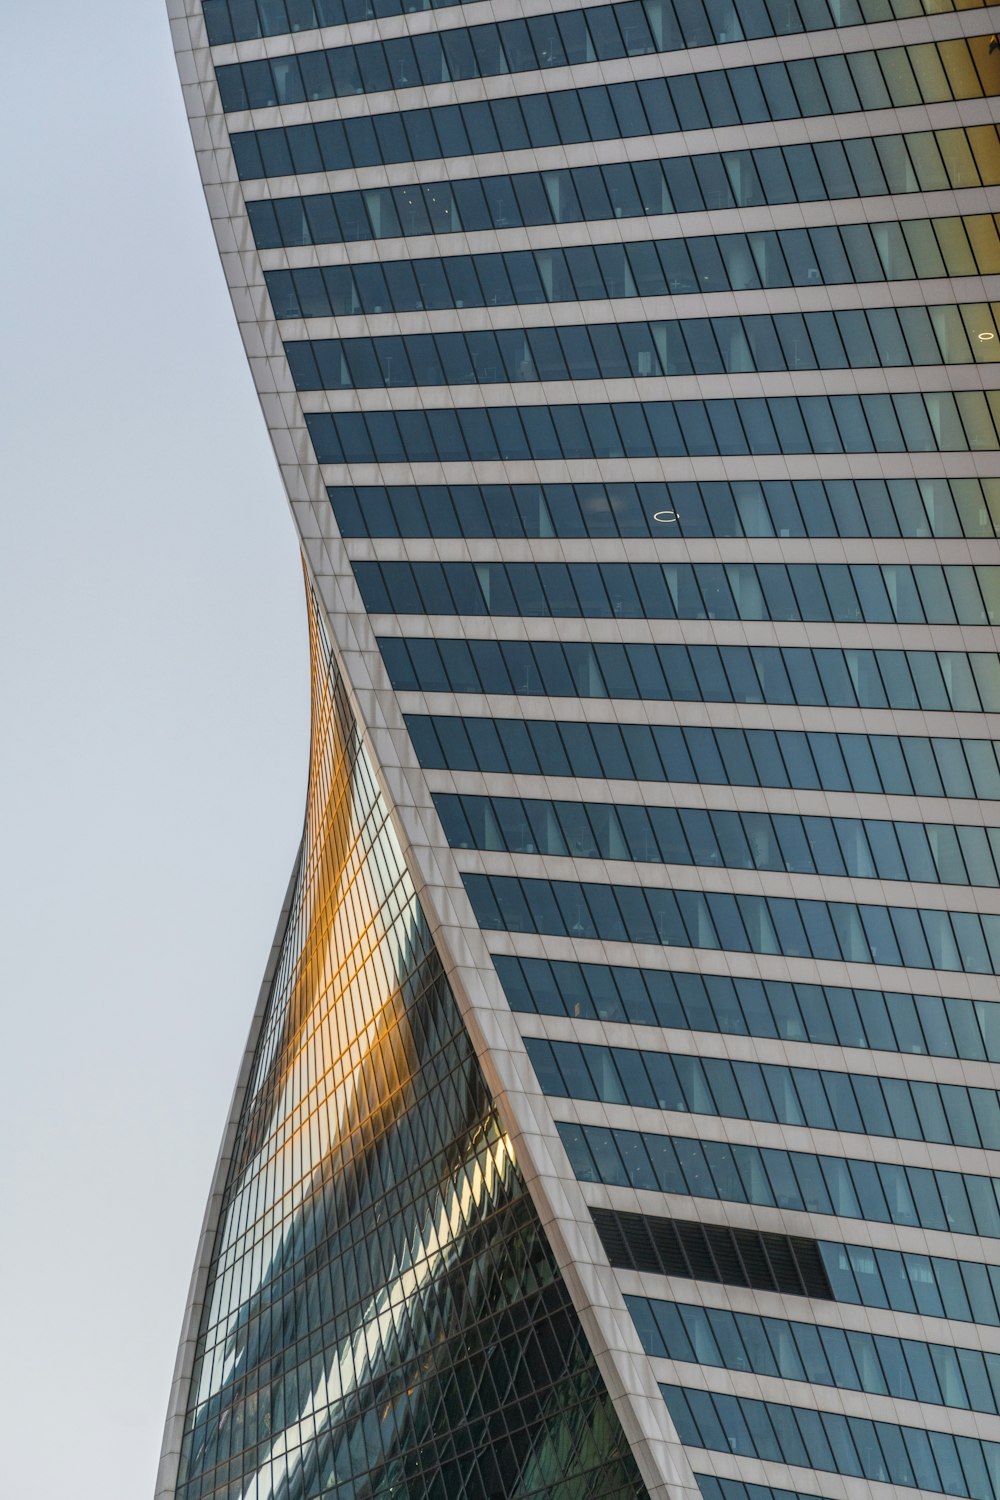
[154,734]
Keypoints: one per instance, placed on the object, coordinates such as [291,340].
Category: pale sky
[153,665]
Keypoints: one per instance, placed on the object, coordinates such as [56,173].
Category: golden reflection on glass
[377,1253]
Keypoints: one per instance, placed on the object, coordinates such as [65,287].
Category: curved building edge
[553,1187]
[180,1385]
[436,871]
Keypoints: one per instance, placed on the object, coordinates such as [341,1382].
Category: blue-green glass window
[944,421]
[734,179]
[856,1104]
[615,351]
[908,1369]
[851,678]
[906,1457]
[653,26]
[797,1180]
[776,91]
[922,594]
[909,936]
[872,507]
[862,848]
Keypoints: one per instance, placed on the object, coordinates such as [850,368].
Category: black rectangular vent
[713,1252]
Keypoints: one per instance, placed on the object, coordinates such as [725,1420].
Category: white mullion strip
[727,964]
[850,1316]
[769,1135]
[729,796]
[381,28]
[724,879]
[668,308]
[881,380]
[906,30]
[638,631]
[809,131]
[826,1398]
[817,1484]
[735,1047]
[675,63]
[961,465]
[675,711]
[668,547]
[898,208]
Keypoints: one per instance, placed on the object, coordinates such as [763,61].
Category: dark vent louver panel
[726,1254]
[713,1252]
[668,1246]
[757,1263]
[811,1268]
[779,1251]
[697,1252]
[640,1245]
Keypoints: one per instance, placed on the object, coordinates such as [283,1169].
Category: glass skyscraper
[619,1117]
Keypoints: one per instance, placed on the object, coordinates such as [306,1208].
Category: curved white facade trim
[916,425]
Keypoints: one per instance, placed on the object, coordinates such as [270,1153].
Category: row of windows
[925,161]
[880,1192]
[243,20]
[848,593]
[634,28]
[696,25]
[908,1457]
[735,1489]
[963,682]
[829,254]
[862,848]
[818,1354]
[809,87]
[551,40]
[839,931]
[723,508]
[967,1291]
[826,1015]
[851,338]
[894,765]
[859,1103]
[908,422]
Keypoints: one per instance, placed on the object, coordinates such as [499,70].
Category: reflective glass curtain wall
[633,369]
[383,1315]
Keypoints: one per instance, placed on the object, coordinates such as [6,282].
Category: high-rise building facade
[619,1119]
